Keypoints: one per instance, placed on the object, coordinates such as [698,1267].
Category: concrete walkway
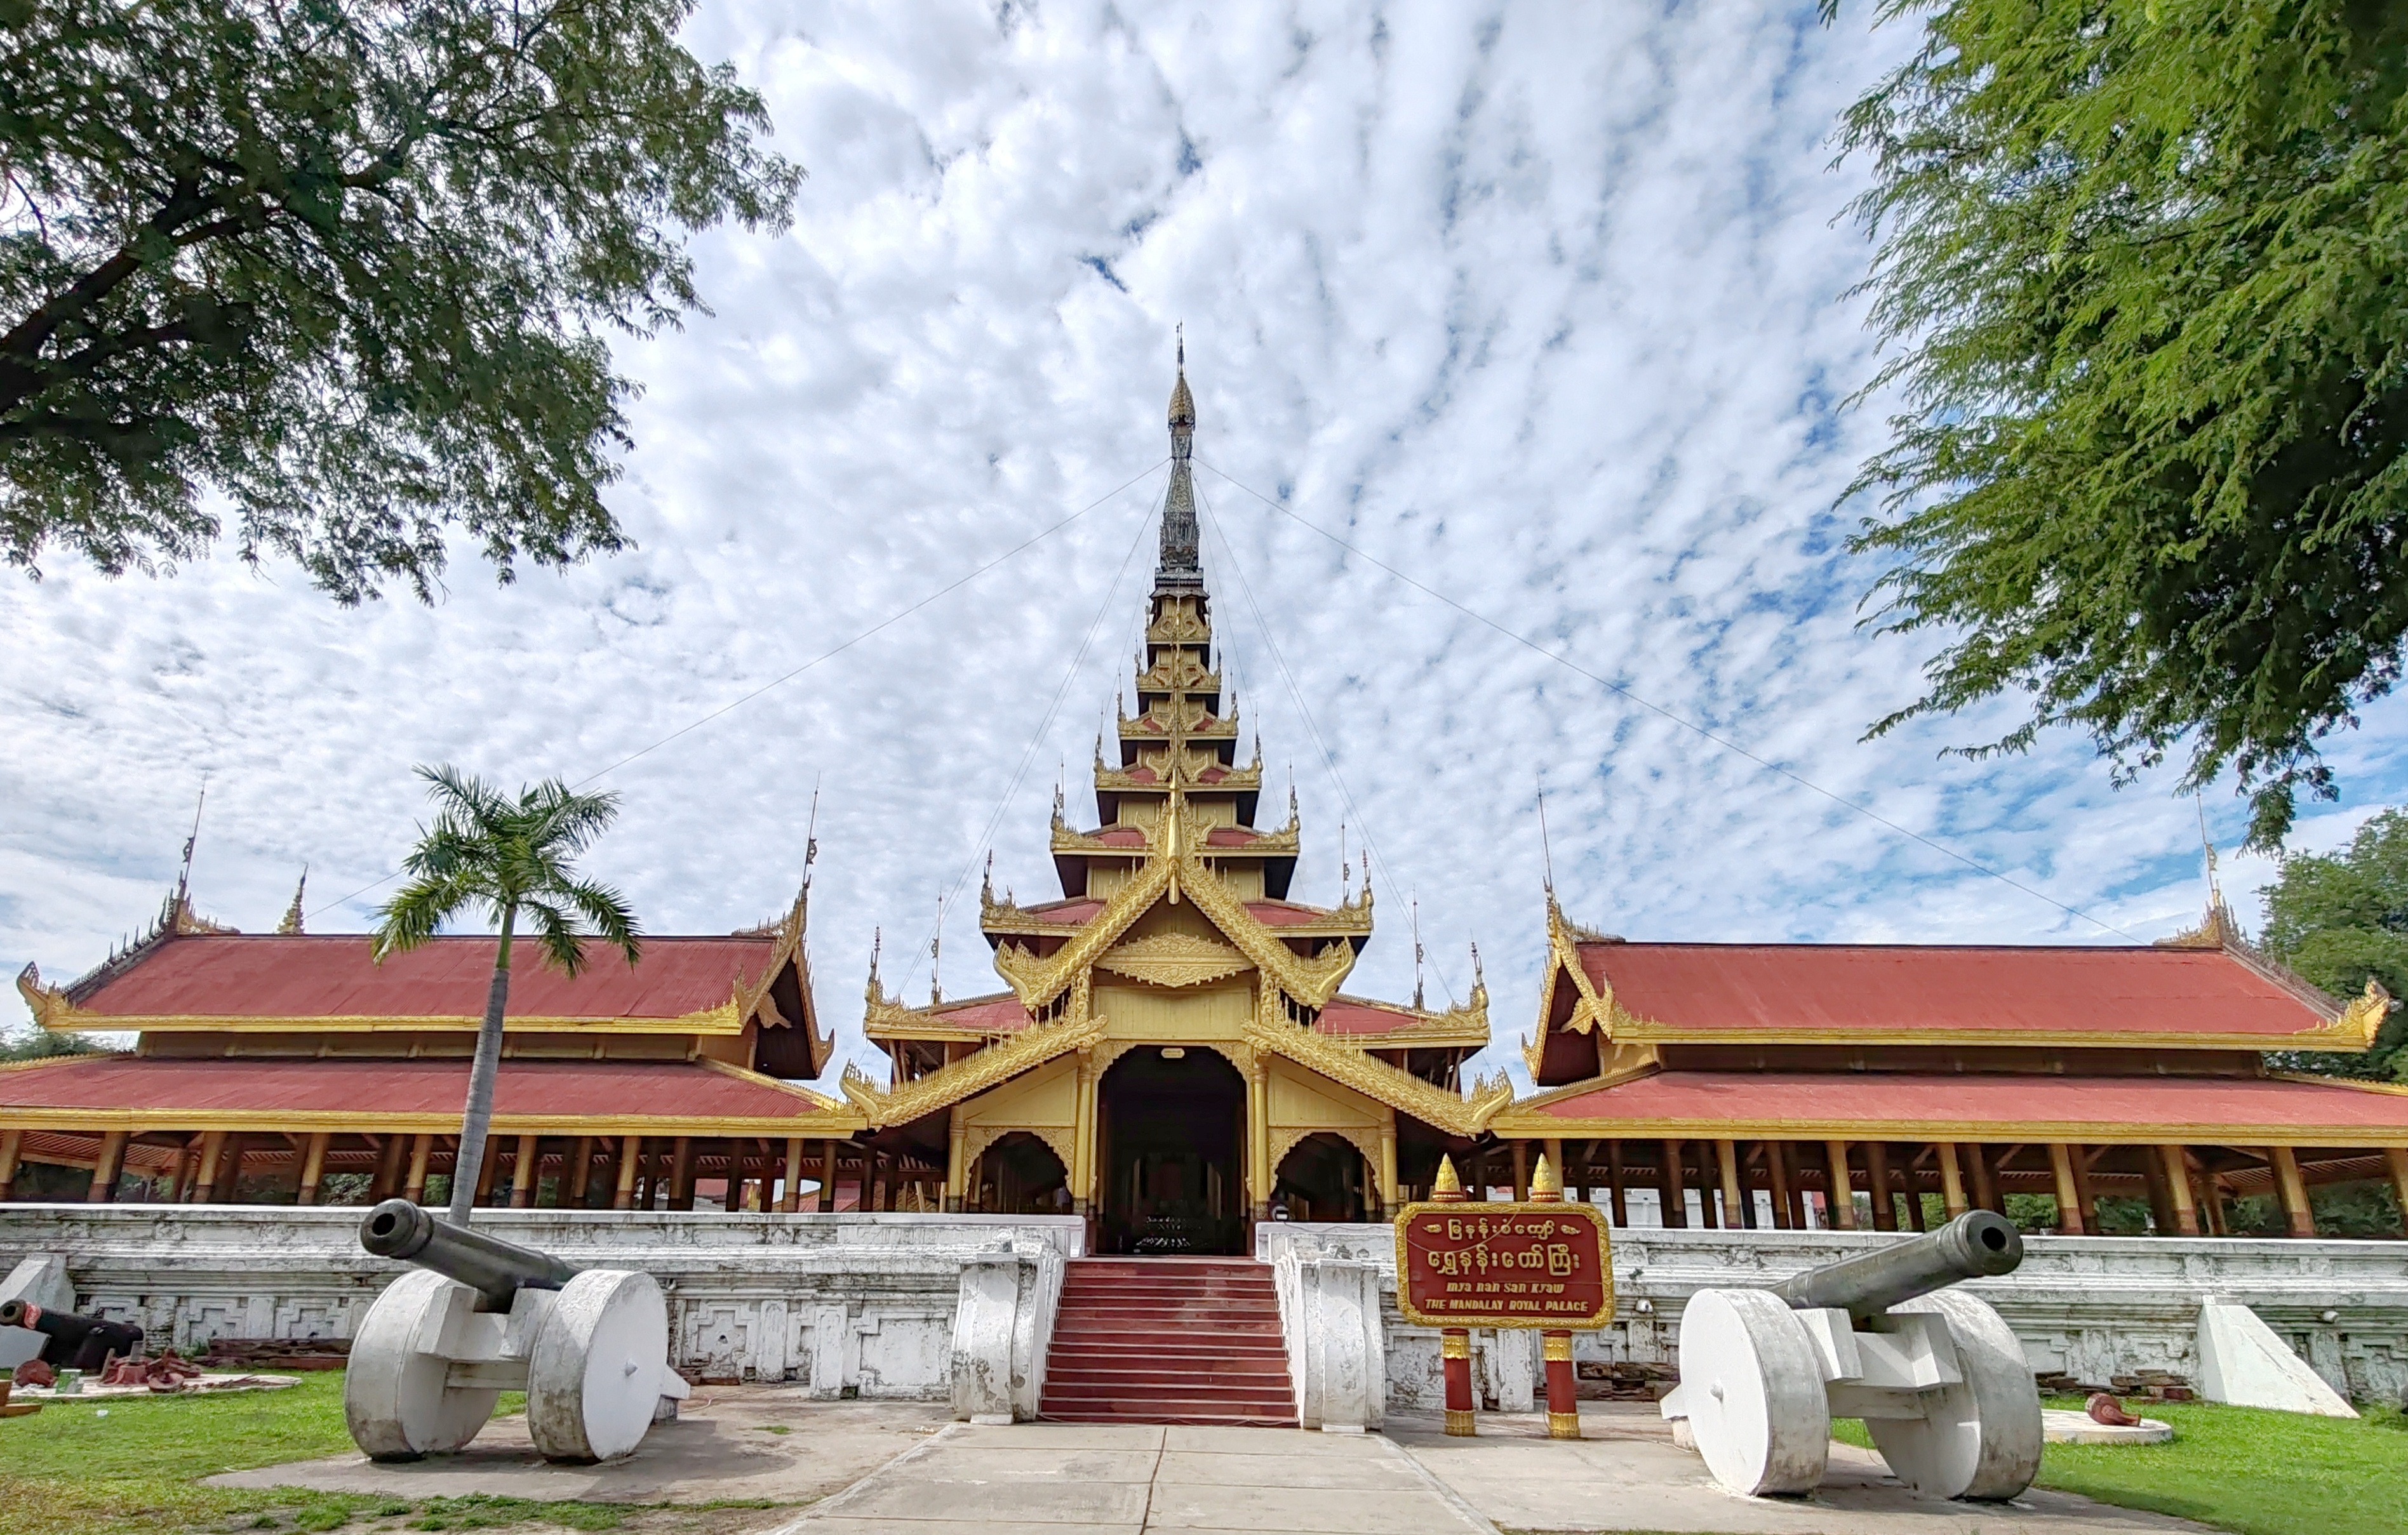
[1119,1479]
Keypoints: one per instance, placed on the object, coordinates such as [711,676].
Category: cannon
[1938,1378]
[478,1315]
[70,1342]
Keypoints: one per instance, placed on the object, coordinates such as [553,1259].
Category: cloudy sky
[1542,305]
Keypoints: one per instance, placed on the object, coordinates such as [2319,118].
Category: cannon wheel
[393,1396]
[1980,1439]
[593,1380]
[1754,1387]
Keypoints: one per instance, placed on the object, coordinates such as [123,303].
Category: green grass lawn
[2240,1468]
[130,1467]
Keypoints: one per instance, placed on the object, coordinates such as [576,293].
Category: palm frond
[608,916]
[556,931]
[416,913]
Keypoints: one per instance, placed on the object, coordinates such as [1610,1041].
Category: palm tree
[504,856]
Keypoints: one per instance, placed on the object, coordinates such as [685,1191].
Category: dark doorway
[1171,1121]
[1020,1175]
[1324,1178]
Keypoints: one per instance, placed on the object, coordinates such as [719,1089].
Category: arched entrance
[1020,1175]
[1325,1178]
[1171,1122]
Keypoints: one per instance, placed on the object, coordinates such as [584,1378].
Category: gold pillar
[2396,1158]
[1776,1168]
[313,1167]
[1952,1180]
[2068,1199]
[1736,1214]
[205,1182]
[1840,1199]
[1986,1183]
[1390,1199]
[1258,1136]
[1082,1144]
[2297,1213]
[827,1176]
[1554,1152]
[956,1162]
[413,1188]
[522,1171]
[103,1172]
[2085,1198]
[387,1182]
[12,1142]
[580,1178]
[2178,1186]
[631,1152]
[792,1200]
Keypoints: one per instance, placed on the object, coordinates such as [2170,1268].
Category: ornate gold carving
[1174,960]
[1178,623]
[1377,1080]
[1178,670]
[46,1002]
[1038,981]
[973,1074]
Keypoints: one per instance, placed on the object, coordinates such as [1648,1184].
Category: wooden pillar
[2297,1213]
[1842,1195]
[2395,1157]
[414,1188]
[489,1168]
[1913,1192]
[957,1134]
[103,1172]
[828,1177]
[1884,1189]
[1739,1205]
[180,1175]
[2161,1196]
[576,1179]
[1709,1208]
[205,1182]
[12,1145]
[1614,1183]
[681,1172]
[1986,1187]
[1521,1171]
[631,1154]
[1675,1196]
[1951,1182]
[523,1167]
[230,1169]
[1776,1171]
[2068,1201]
[2178,1186]
[2086,1199]
[313,1167]
[387,1182]
[792,1199]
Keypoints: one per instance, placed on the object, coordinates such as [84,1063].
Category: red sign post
[1542,1265]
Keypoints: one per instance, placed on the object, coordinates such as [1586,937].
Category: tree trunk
[479,1112]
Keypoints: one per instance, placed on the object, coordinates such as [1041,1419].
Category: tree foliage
[2146,262]
[344,268]
[2342,920]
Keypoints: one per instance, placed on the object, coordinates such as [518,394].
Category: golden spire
[1446,1183]
[292,923]
[1544,1184]
[1181,567]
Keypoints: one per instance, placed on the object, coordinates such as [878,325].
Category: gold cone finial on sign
[1446,1185]
[1544,1184]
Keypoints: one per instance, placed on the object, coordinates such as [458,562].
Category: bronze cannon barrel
[1978,1243]
[494,1269]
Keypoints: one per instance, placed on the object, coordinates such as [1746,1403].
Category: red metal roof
[1000,1014]
[1076,909]
[1284,913]
[676,1091]
[1997,1106]
[1347,1015]
[332,975]
[1809,989]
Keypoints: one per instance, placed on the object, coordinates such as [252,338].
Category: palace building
[1172,1053]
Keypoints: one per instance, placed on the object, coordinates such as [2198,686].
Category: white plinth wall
[2089,1307]
[861,1304]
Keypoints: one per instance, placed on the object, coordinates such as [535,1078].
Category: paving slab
[1221,1467]
[729,1443]
[1624,1474]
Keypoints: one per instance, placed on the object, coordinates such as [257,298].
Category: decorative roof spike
[986,886]
[292,923]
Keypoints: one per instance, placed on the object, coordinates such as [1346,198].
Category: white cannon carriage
[1940,1381]
[479,1317]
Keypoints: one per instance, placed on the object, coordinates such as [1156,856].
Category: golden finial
[292,923]
[1446,1188]
[1546,1187]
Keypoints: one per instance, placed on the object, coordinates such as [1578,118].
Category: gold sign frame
[1577,1213]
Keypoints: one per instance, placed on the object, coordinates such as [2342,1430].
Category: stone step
[1074,1394]
[1092,1372]
[1202,1414]
[1169,1350]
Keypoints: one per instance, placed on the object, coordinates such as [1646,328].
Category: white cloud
[1542,305]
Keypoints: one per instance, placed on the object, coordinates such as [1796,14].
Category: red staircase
[1168,1340]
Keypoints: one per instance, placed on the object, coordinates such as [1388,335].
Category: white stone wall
[859,1302]
[2090,1307]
